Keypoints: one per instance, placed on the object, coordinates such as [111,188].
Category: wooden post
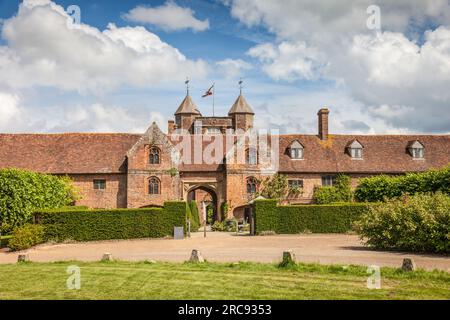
[189,228]
[196,256]
[23,258]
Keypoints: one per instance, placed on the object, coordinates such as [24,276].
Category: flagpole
[214,98]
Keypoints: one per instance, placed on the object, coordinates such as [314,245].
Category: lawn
[145,280]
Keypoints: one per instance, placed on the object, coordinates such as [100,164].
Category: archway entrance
[207,204]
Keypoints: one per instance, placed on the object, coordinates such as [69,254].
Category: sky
[381,67]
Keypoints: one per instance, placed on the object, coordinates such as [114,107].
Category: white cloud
[102,118]
[44,50]
[10,111]
[169,17]
[400,68]
[288,60]
[233,68]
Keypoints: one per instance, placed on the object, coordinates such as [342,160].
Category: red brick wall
[114,196]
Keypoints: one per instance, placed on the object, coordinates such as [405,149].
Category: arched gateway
[206,196]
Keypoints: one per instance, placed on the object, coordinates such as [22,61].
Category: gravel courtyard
[228,247]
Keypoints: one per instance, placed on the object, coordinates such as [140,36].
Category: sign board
[178,233]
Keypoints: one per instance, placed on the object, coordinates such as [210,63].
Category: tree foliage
[340,192]
[274,187]
[22,192]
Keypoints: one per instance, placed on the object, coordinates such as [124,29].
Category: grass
[144,280]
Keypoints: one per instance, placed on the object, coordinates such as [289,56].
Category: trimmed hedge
[332,218]
[380,188]
[194,217]
[89,225]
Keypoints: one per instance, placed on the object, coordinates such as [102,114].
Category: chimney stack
[323,123]
[170,126]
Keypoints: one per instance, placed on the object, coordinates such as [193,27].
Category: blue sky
[294,57]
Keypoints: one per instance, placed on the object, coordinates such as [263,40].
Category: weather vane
[240,85]
[187,85]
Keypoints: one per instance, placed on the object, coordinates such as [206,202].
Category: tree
[22,192]
[275,187]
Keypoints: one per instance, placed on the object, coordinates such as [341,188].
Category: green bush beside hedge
[414,223]
[88,225]
[333,218]
[26,236]
[383,187]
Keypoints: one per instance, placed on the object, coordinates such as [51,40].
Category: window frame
[152,152]
[97,183]
[251,185]
[354,155]
[298,152]
[151,184]
[326,179]
[299,183]
[421,152]
[251,154]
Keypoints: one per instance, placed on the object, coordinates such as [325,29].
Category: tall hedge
[383,187]
[335,218]
[22,192]
[88,225]
[195,218]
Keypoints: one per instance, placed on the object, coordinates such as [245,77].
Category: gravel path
[226,247]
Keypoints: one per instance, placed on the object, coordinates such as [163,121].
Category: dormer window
[355,149]
[296,150]
[416,149]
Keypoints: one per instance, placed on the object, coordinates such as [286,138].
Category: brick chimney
[170,126]
[323,123]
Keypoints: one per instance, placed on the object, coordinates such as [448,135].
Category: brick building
[141,170]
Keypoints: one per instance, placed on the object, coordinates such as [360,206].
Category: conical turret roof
[241,106]
[187,107]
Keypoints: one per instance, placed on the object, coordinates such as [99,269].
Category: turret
[186,114]
[241,114]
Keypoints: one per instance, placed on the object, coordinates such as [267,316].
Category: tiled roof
[106,153]
[382,153]
[240,106]
[187,106]
[66,153]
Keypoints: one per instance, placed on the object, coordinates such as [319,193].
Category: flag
[209,92]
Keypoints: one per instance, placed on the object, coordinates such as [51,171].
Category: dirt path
[225,247]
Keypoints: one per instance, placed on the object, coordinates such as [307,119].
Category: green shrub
[4,240]
[26,236]
[22,192]
[340,192]
[195,218]
[219,226]
[383,187]
[224,208]
[88,225]
[335,218]
[414,223]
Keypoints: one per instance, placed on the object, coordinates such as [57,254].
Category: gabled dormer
[295,150]
[355,149]
[416,150]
